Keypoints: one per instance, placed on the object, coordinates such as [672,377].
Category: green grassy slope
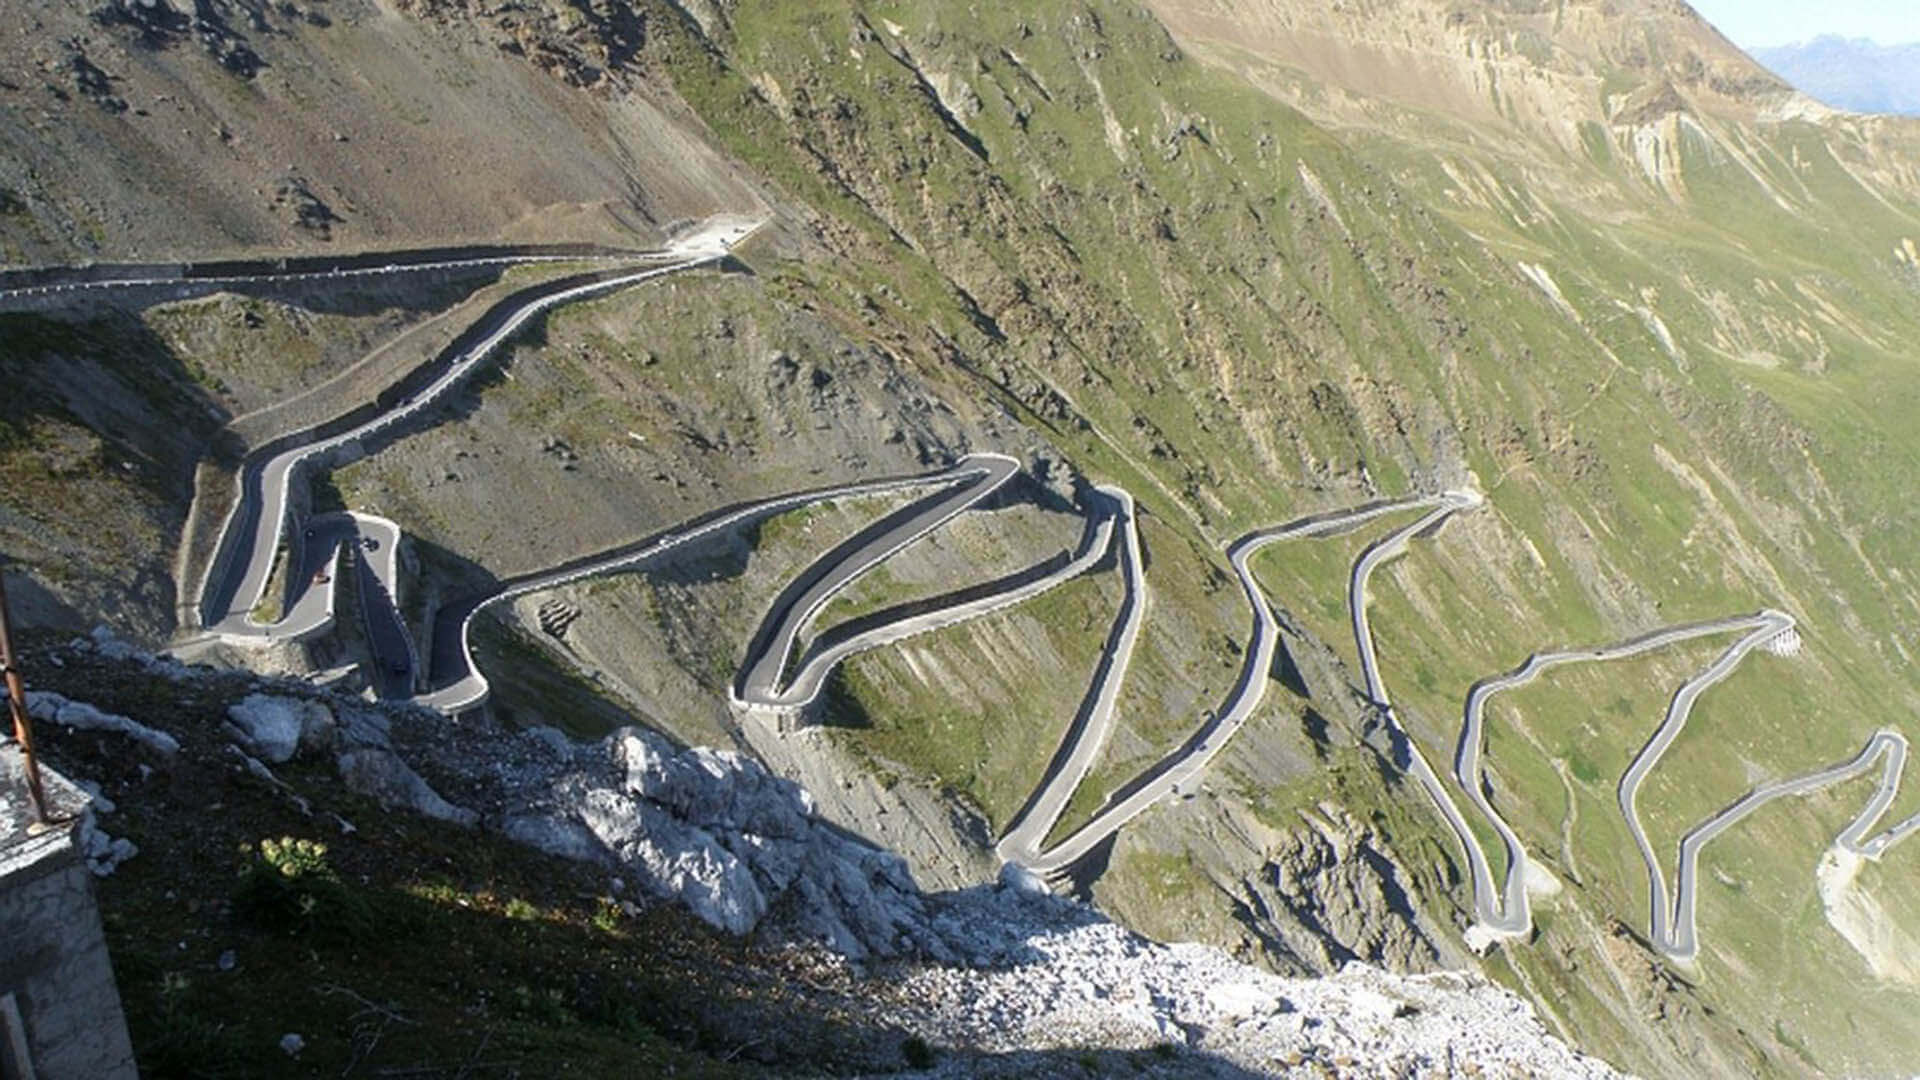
[1241,317]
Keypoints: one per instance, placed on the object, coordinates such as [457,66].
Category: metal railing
[17,705]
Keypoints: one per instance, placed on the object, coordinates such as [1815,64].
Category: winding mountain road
[761,677]
[1113,508]
[1186,763]
[1678,938]
[237,579]
[773,678]
[458,681]
[1668,933]
[1093,723]
[1504,912]
[1387,548]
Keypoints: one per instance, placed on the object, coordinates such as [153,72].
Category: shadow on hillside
[1082,876]
[459,403]
[426,951]
[107,371]
[440,988]
[1285,671]
[147,424]
[415,293]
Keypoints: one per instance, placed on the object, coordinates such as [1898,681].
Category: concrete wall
[53,954]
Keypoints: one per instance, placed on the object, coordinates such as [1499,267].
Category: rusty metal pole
[17,704]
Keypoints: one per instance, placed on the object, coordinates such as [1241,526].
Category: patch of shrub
[288,886]
[915,1051]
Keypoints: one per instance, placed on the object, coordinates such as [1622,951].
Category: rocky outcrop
[716,831]
[1002,972]
[997,979]
[1334,893]
[1042,973]
[52,708]
[275,728]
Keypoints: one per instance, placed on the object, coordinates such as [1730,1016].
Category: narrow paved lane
[761,678]
[1087,736]
[1504,912]
[1184,765]
[894,625]
[1679,939]
[457,682]
[1390,547]
[237,579]
[1768,625]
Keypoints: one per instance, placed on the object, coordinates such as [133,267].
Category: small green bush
[916,1052]
[195,1042]
[606,916]
[288,886]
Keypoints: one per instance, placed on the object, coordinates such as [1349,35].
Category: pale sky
[1753,24]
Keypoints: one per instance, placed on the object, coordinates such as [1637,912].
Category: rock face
[1338,895]
[379,774]
[275,728]
[1000,979]
[1045,973]
[1010,968]
[370,766]
[717,832]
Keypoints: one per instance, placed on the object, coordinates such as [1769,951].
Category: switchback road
[459,684]
[238,577]
[1186,763]
[1504,912]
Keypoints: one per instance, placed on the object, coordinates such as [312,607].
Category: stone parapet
[60,1015]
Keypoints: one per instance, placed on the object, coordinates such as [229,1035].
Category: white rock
[269,727]
[1019,879]
[673,859]
[52,708]
[381,775]
[556,836]
[1241,1000]
[104,854]
[106,644]
[276,728]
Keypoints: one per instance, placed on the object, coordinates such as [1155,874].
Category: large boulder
[380,775]
[672,858]
[275,728]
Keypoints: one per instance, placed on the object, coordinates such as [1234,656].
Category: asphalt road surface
[761,677]
[1180,768]
[897,624]
[1505,912]
[1679,939]
[237,580]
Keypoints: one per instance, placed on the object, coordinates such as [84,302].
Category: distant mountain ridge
[1857,74]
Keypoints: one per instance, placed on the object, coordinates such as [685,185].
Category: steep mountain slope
[1582,257]
[154,130]
[1321,331]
